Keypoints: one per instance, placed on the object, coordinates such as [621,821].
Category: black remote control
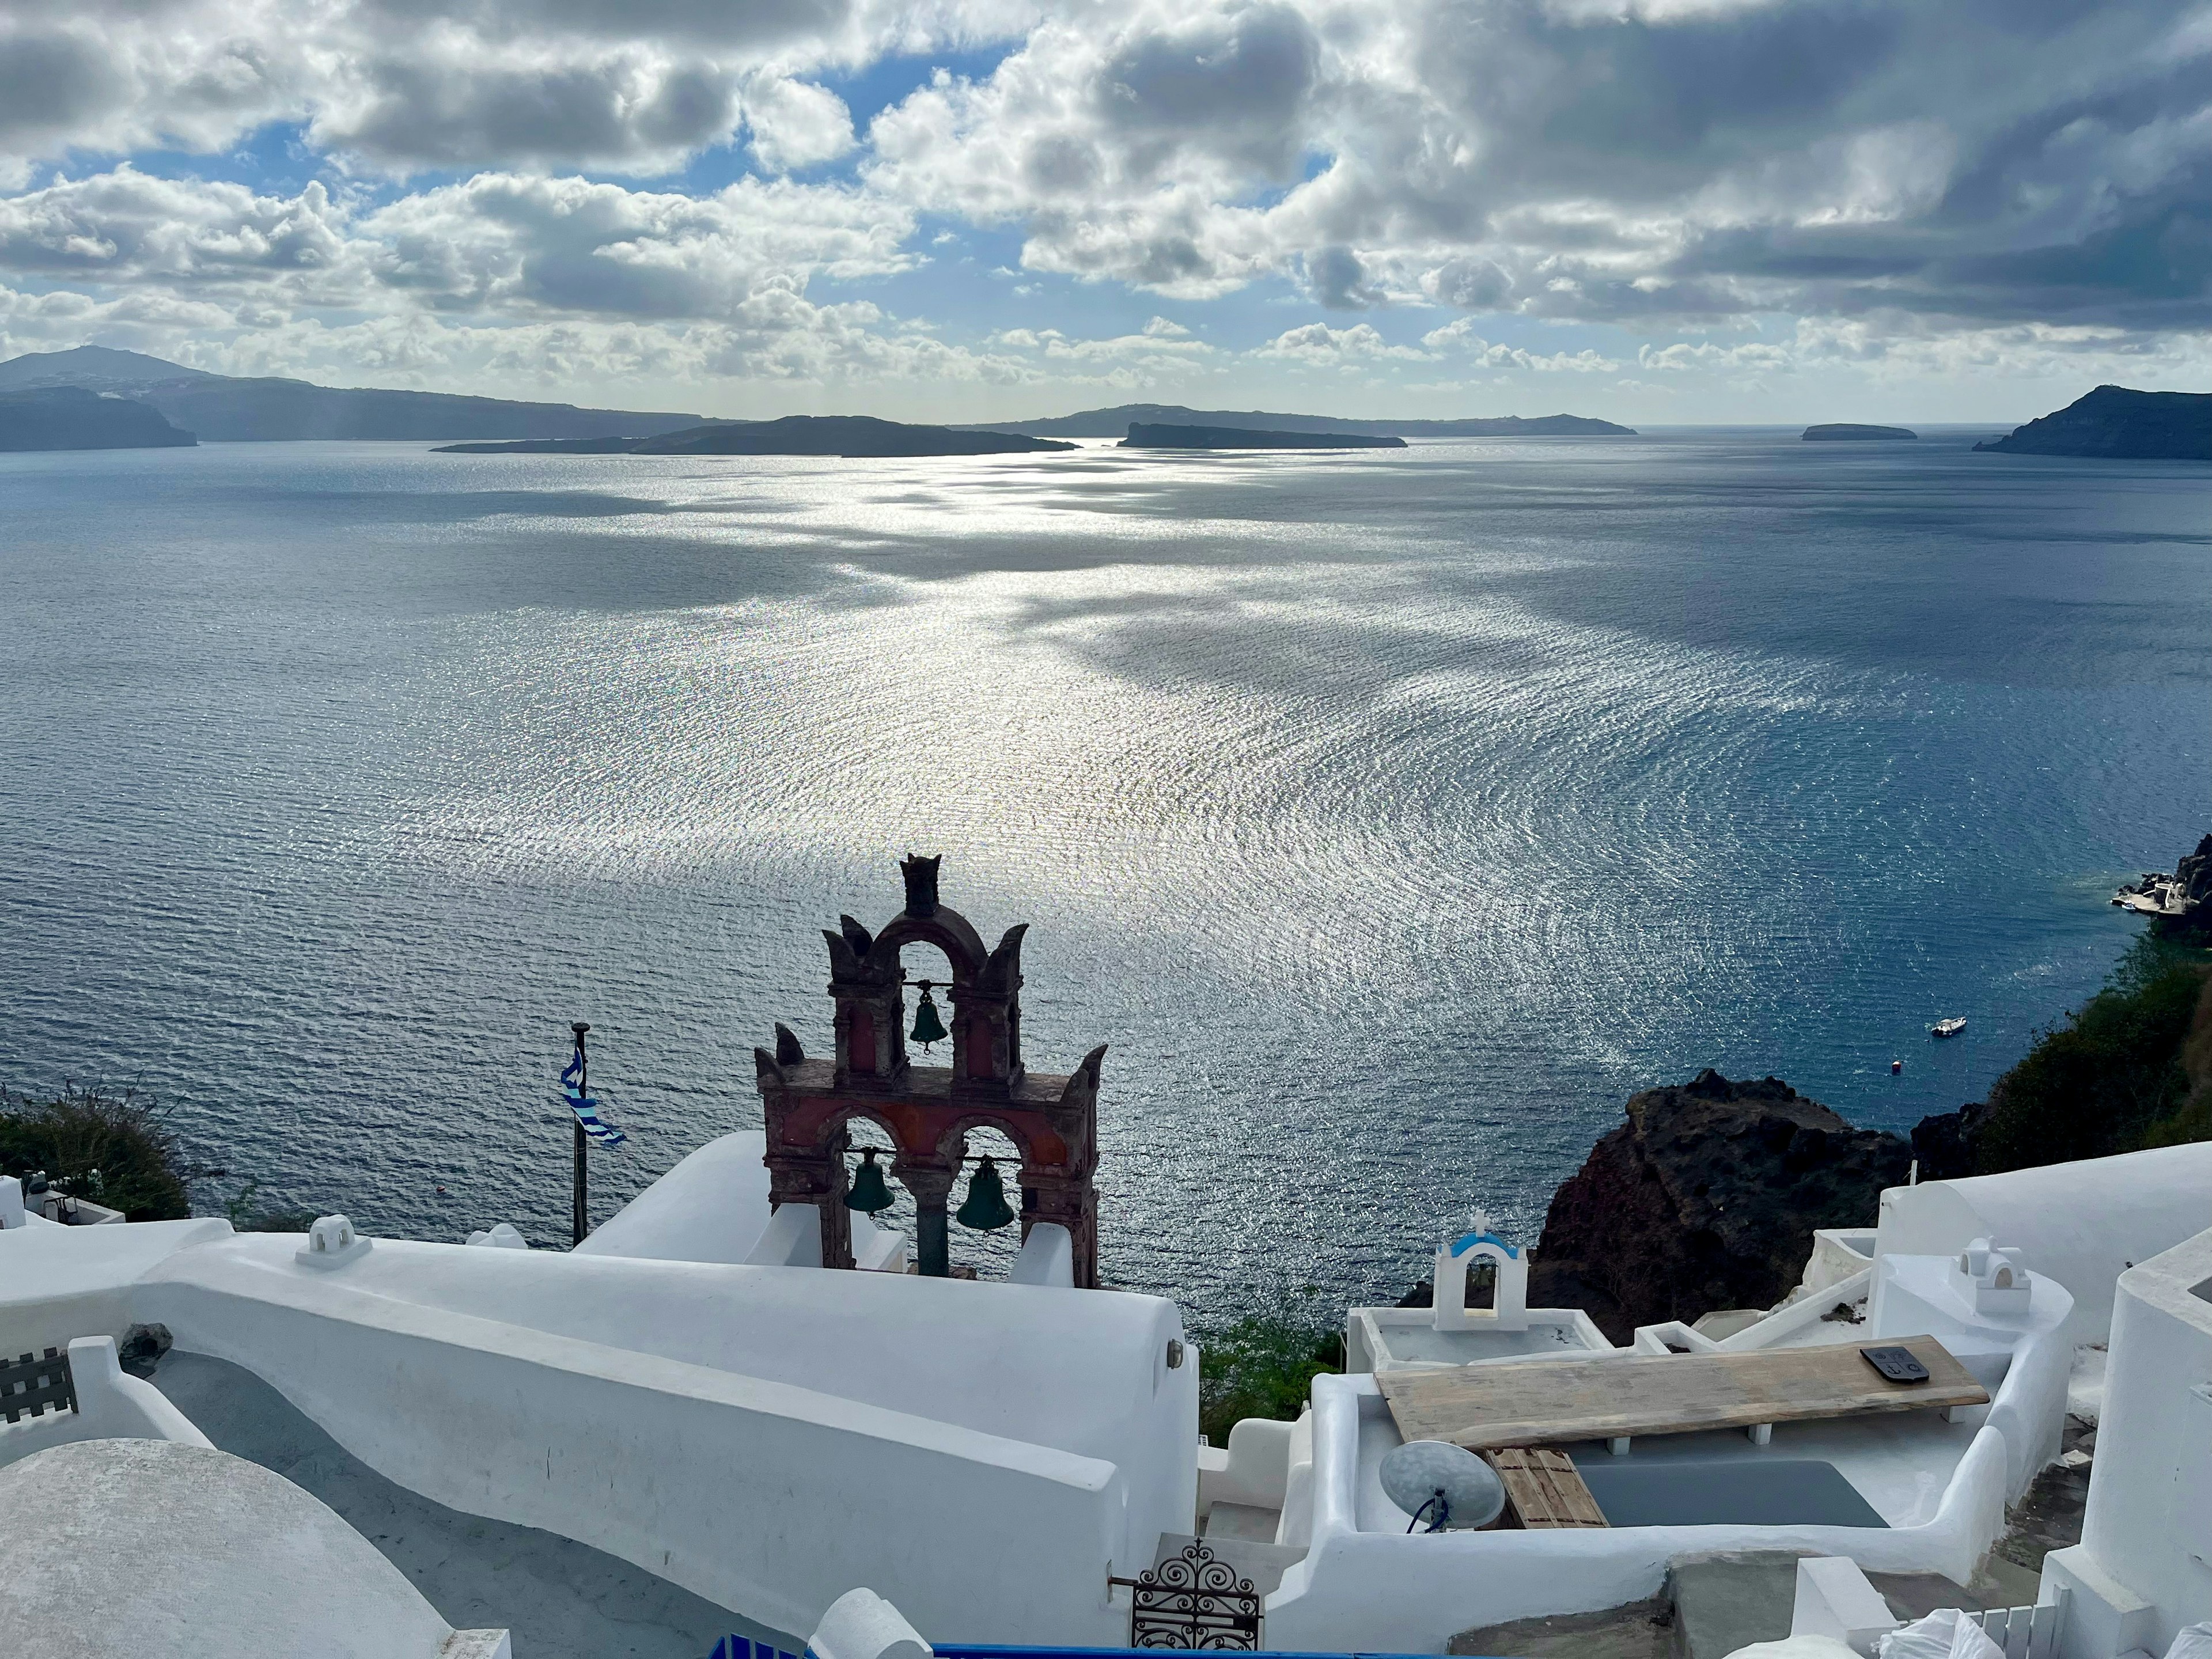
[1898,1365]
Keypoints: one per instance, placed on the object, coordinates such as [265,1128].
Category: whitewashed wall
[767,1437]
[2149,1519]
[2082,1224]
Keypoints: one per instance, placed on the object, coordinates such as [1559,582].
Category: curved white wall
[2149,1518]
[768,1437]
[2082,1224]
[711,1206]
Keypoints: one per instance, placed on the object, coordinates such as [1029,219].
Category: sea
[1394,816]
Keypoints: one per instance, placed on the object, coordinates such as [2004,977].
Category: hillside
[1142,436]
[2119,424]
[1115,422]
[848,436]
[74,418]
[224,409]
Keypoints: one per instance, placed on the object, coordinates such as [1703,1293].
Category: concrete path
[560,1599]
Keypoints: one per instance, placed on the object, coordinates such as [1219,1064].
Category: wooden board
[1550,1402]
[1545,1488]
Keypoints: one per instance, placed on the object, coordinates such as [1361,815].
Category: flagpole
[583,1083]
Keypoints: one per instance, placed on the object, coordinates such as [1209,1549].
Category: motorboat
[1949,1028]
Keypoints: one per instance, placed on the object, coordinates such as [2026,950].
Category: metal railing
[33,1384]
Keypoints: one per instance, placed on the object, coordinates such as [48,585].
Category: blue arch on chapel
[1467,1242]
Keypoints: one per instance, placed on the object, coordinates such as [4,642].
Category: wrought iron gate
[1193,1600]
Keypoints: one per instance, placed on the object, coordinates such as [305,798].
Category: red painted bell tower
[926,1110]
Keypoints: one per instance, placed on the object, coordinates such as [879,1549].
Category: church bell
[869,1193]
[986,1209]
[927,1028]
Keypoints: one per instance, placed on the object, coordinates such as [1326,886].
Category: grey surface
[1642,1630]
[1727,1602]
[1779,1492]
[560,1599]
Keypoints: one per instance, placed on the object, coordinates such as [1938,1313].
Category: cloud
[1458,340]
[796,124]
[1318,346]
[1889,174]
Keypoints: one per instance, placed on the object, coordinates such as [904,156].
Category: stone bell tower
[926,1110]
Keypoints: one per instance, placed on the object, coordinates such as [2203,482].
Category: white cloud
[1318,346]
[1896,175]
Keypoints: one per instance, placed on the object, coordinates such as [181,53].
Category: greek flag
[586,1109]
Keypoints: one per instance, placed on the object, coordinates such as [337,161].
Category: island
[2116,424]
[849,436]
[1848,432]
[1145,436]
[1113,422]
[223,408]
[72,417]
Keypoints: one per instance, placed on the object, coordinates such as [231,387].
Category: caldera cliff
[1706,1198]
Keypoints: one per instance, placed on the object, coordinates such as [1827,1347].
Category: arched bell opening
[987,1197]
[873,1191]
[930,1027]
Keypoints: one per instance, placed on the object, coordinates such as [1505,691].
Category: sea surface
[1393,815]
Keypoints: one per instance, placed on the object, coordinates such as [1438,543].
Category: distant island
[1845,432]
[229,408]
[847,435]
[1116,421]
[72,417]
[1145,436]
[222,408]
[2116,424]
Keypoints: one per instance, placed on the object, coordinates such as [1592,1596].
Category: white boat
[1949,1028]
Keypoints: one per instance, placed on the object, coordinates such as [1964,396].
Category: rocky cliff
[70,417]
[2120,424]
[1706,1198]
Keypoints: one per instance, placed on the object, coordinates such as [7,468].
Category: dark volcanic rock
[2116,423]
[1145,436]
[1706,1198]
[71,418]
[1943,1142]
[1844,431]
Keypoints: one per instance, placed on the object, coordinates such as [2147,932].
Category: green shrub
[111,1149]
[1261,1366]
[2111,1078]
[248,1217]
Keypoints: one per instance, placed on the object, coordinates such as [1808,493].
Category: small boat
[1949,1028]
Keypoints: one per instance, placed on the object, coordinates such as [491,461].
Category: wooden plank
[1549,1402]
[1545,1488]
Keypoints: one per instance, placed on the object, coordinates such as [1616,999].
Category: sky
[1655,211]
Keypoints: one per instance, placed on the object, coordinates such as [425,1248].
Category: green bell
[869,1193]
[986,1209]
[927,1028]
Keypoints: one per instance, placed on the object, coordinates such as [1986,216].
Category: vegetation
[110,1149]
[248,1217]
[2131,1068]
[1262,1367]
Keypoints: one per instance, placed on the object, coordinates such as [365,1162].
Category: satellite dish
[1447,1485]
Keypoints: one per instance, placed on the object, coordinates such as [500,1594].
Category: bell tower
[928,1110]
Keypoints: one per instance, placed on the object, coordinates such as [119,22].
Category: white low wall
[711,1206]
[2082,1224]
[2148,1524]
[766,1437]
[109,1406]
[1384,1591]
